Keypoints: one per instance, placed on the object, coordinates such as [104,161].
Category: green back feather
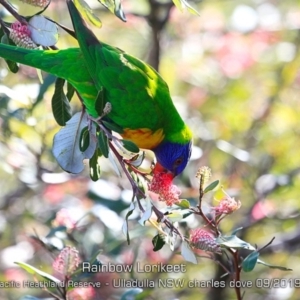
[139,96]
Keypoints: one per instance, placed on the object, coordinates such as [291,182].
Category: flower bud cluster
[20,34]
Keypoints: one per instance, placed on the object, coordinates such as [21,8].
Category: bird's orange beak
[158,168]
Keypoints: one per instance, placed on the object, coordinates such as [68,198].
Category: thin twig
[11,10]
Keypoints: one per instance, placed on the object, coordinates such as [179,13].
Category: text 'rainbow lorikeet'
[140,98]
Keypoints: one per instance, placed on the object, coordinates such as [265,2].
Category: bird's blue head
[172,157]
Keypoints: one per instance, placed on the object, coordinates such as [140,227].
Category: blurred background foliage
[234,75]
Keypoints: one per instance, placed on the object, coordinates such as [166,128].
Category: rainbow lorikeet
[140,98]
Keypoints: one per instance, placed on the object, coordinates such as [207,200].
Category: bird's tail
[67,64]
[13,53]
[85,37]
[50,61]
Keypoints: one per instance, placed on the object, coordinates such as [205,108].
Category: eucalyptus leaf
[175,216]
[125,224]
[94,166]
[184,204]
[112,126]
[147,214]
[115,164]
[182,4]
[158,242]
[115,7]
[211,186]
[66,144]
[103,144]
[61,108]
[187,253]
[233,242]
[130,146]
[87,13]
[84,140]
[70,91]
[235,231]
[42,31]
[94,258]
[273,266]
[250,261]
[32,270]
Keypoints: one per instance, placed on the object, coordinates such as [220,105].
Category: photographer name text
[266,283]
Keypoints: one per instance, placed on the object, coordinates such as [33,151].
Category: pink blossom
[67,261]
[162,184]
[204,240]
[64,218]
[83,293]
[20,34]
[227,206]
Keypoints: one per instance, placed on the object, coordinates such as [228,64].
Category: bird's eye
[178,161]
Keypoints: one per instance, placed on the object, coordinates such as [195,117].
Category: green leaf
[130,146]
[273,266]
[157,242]
[175,216]
[182,4]
[13,66]
[32,270]
[211,186]
[112,126]
[66,144]
[233,242]
[84,140]
[250,261]
[187,253]
[94,258]
[100,102]
[184,204]
[103,144]
[125,225]
[115,7]
[60,104]
[94,166]
[87,13]
[70,91]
